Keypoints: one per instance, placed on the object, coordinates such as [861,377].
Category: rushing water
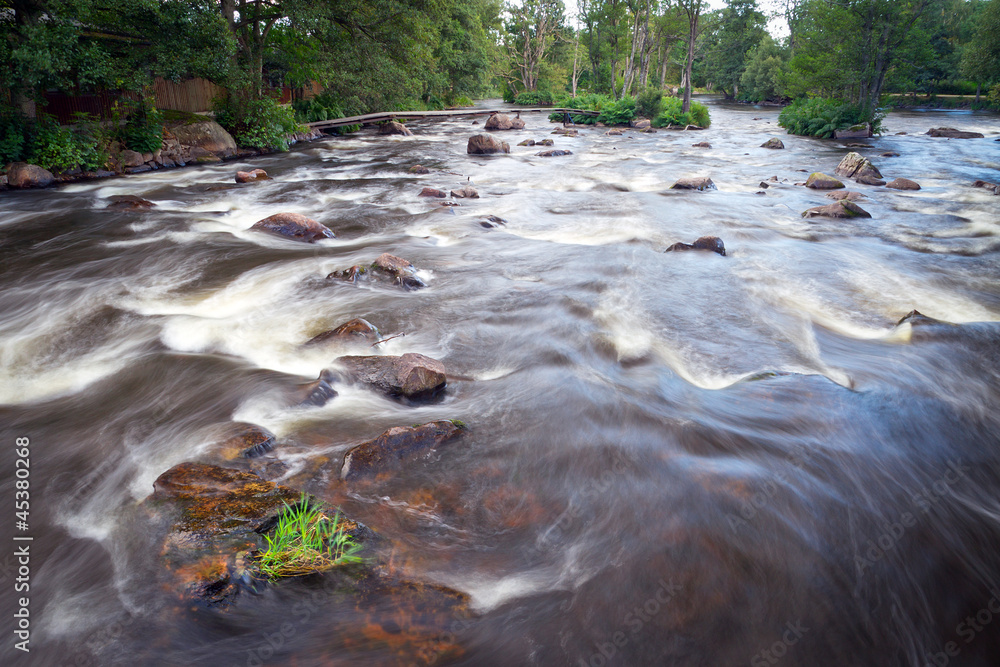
[637,486]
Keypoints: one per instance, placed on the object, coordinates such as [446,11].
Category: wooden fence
[193,95]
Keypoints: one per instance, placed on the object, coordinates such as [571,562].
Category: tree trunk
[693,23]
[979,88]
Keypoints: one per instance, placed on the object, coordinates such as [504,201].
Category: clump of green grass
[306,541]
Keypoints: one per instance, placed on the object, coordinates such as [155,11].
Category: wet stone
[411,376]
[357,330]
[294,226]
[712,243]
[396,446]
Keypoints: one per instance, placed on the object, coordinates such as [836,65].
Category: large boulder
[862,131]
[129,158]
[952,133]
[393,127]
[24,175]
[820,181]
[855,166]
[695,183]
[841,209]
[394,447]
[411,376]
[774,143]
[485,144]
[207,135]
[357,330]
[294,226]
[639,123]
[903,184]
[712,243]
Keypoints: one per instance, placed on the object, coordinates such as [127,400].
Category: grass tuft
[306,541]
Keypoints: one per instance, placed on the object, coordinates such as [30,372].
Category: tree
[692,11]
[531,29]
[981,59]
[740,28]
[763,78]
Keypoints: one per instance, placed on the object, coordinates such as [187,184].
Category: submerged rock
[24,175]
[419,169]
[252,176]
[294,226]
[916,318]
[903,184]
[713,243]
[820,181]
[394,127]
[248,441]
[433,192]
[464,192]
[317,393]
[952,133]
[696,183]
[566,131]
[486,144]
[773,143]
[613,132]
[412,376]
[398,269]
[357,330]
[553,153]
[545,142]
[986,185]
[526,142]
[394,447]
[849,195]
[701,144]
[868,179]
[841,209]
[855,166]
[129,202]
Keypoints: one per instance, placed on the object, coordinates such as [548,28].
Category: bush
[59,148]
[142,130]
[588,102]
[649,103]
[534,98]
[672,115]
[618,113]
[14,134]
[260,123]
[463,101]
[821,117]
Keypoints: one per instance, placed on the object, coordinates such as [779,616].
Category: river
[671,459]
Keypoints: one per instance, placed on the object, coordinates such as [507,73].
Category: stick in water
[378,342]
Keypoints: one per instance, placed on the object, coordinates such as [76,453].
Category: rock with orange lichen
[212,518]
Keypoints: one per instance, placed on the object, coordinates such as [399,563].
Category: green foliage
[257,123]
[649,103]
[821,117]
[619,112]
[534,98]
[14,135]
[142,130]
[58,148]
[673,116]
[463,101]
[740,26]
[306,541]
[765,72]
[588,102]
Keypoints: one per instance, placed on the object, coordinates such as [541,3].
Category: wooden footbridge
[368,119]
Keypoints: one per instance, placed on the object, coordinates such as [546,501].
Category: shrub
[58,148]
[618,113]
[672,115]
[463,101]
[533,97]
[306,541]
[14,134]
[257,123]
[143,125]
[649,103]
[588,102]
[821,117]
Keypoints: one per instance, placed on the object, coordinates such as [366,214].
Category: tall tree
[692,10]
[740,28]
[981,59]
[531,29]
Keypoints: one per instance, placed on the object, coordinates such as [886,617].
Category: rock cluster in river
[500,122]
[952,133]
